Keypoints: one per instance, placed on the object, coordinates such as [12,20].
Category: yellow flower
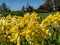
[20,18]
[9,16]
[33,33]
[23,33]
[28,32]
[12,39]
[47,32]
[38,25]
[55,22]
[7,32]
[36,43]
[50,34]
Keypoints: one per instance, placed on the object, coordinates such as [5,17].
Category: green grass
[21,13]
[44,15]
[18,13]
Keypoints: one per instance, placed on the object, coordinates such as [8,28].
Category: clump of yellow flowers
[13,28]
[9,29]
[32,31]
[51,21]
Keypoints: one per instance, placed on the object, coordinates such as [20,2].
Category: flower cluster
[12,28]
[52,21]
[9,29]
[33,31]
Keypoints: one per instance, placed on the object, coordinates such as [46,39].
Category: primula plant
[30,30]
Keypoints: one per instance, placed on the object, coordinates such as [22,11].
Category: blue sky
[17,4]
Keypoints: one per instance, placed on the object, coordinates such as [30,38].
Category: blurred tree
[4,7]
[53,5]
[23,8]
[57,4]
[46,7]
[27,8]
